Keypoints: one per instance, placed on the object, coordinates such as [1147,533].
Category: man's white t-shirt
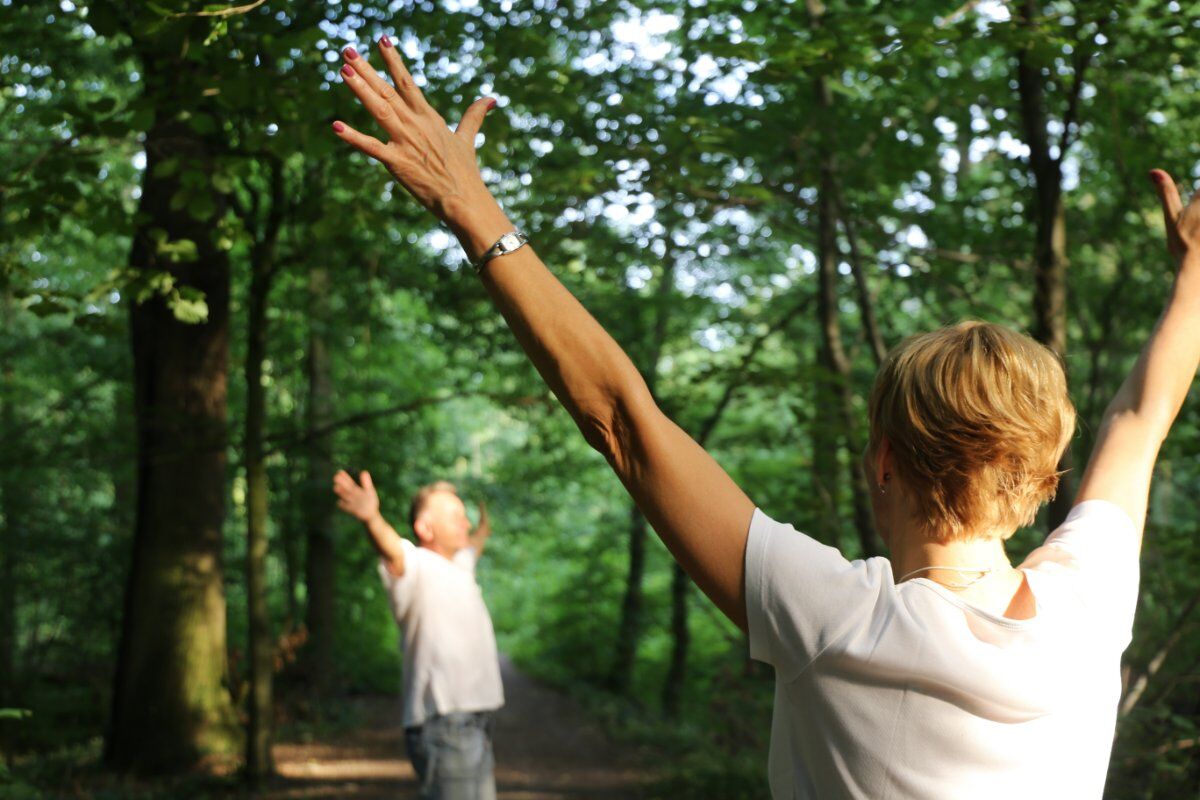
[450,659]
[886,691]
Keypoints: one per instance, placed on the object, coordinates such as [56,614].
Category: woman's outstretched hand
[1183,223]
[436,165]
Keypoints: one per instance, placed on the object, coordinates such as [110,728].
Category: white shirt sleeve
[802,596]
[1094,554]
[400,589]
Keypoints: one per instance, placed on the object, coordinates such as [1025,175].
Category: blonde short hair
[978,417]
[421,498]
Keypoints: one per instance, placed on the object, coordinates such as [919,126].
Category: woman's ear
[883,463]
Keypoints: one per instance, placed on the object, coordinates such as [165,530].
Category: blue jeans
[452,754]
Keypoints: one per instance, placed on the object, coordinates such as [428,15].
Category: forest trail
[546,749]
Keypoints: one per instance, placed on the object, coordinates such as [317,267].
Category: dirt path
[546,749]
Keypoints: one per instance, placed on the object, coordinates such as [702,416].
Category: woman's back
[907,691]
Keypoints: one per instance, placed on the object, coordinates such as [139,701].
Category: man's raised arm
[362,503]
[700,513]
[1143,410]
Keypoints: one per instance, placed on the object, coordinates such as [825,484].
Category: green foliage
[697,165]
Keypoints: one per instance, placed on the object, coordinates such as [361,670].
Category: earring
[882,488]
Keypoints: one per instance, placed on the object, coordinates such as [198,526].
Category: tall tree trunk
[838,401]
[629,627]
[171,704]
[261,645]
[681,639]
[291,524]
[319,567]
[673,684]
[1049,217]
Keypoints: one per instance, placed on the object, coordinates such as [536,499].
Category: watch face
[509,241]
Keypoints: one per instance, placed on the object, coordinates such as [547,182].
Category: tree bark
[319,572]
[866,299]
[291,526]
[681,639]
[629,627]
[171,704]
[1049,218]
[836,403]
[261,645]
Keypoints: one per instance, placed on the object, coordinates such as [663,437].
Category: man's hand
[478,537]
[360,502]
[436,165]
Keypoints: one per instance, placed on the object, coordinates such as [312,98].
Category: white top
[450,658]
[888,692]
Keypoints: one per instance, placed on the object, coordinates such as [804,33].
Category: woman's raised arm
[697,509]
[1143,410]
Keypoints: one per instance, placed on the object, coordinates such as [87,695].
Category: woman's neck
[914,552]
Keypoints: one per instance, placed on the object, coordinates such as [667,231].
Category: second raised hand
[436,165]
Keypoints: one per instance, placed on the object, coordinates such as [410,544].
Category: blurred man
[451,667]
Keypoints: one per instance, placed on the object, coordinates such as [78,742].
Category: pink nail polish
[385,42]
[338,127]
[350,53]
[348,71]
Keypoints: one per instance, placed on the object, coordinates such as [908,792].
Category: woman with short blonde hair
[944,672]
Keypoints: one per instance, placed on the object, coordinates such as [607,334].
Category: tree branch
[232,11]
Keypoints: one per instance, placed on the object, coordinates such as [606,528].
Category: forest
[210,305]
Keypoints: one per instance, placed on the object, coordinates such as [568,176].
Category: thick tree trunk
[1050,239]
[319,567]
[171,704]
[261,643]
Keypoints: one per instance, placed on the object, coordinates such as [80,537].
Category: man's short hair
[978,417]
[421,498]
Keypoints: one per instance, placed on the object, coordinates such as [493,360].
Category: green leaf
[180,250]
[188,305]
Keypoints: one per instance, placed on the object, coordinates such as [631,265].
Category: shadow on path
[546,749]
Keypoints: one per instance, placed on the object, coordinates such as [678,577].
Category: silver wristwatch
[508,243]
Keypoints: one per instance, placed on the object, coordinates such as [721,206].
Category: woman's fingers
[364,144]
[375,81]
[1168,195]
[472,119]
[384,112]
[1172,208]
[405,87]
